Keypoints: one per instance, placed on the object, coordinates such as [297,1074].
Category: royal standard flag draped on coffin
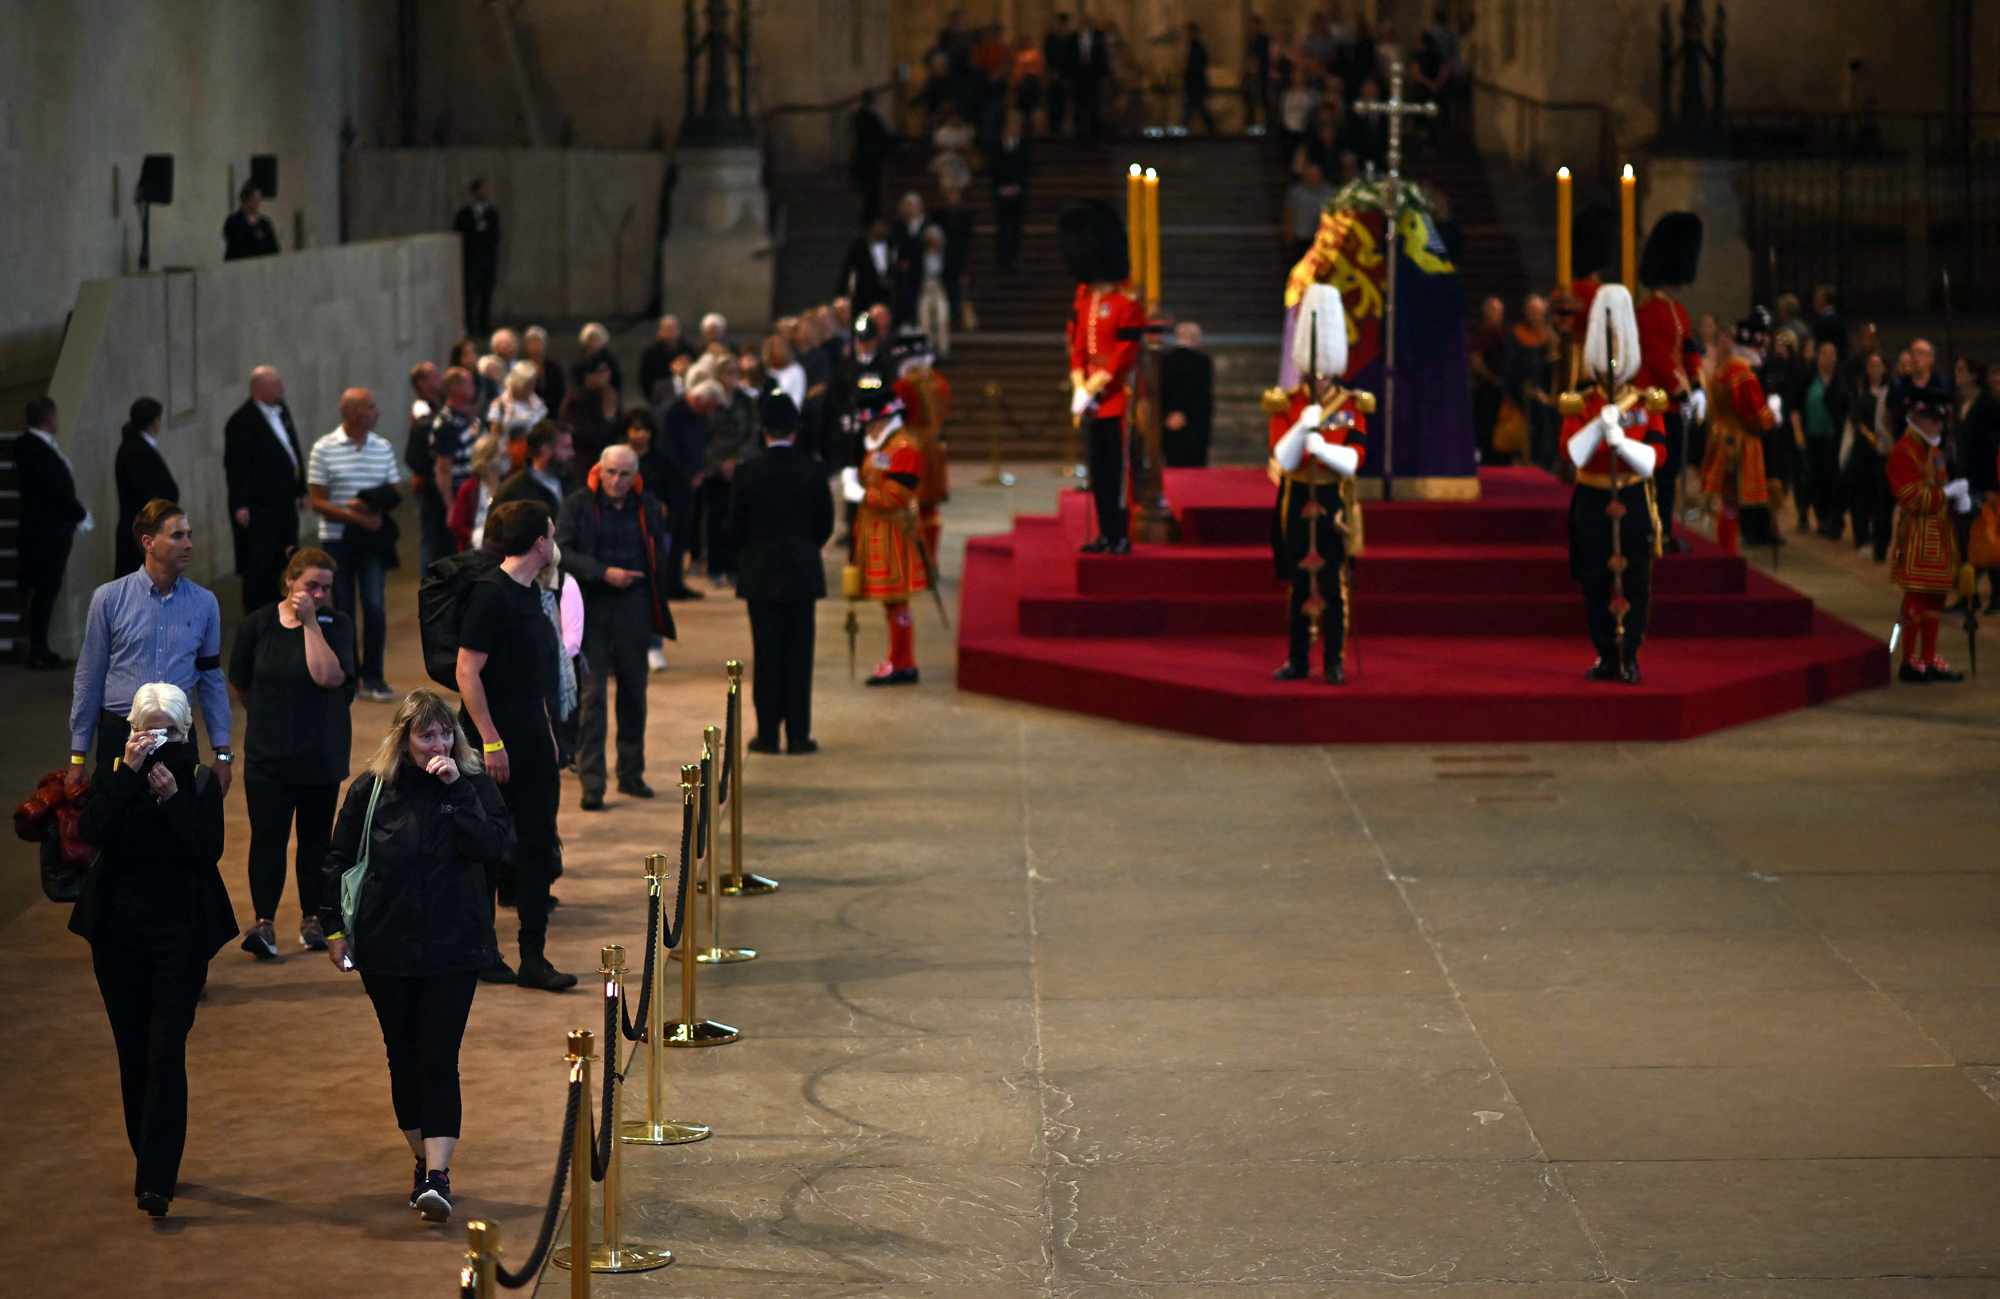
[1352,252]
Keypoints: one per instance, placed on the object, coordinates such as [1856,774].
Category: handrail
[1526,152]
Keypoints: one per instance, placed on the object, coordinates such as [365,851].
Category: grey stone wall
[358,315]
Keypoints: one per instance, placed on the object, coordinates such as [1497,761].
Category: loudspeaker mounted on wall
[264,173]
[156,179]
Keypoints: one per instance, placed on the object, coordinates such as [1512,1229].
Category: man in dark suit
[1093,69]
[265,469]
[248,232]
[1010,169]
[872,146]
[866,273]
[907,242]
[782,515]
[142,475]
[1059,55]
[51,516]
[478,226]
[1187,398]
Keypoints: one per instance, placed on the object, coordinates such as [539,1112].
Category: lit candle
[1152,239]
[1135,226]
[1628,215]
[1565,271]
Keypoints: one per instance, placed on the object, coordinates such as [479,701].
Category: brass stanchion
[581,1049]
[654,1130]
[690,1029]
[739,883]
[715,953]
[612,1253]
[482,1255]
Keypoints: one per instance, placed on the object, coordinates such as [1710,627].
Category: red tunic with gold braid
[1733,468]
[1098,357]
[884,545]
[1925,557]
[1341,423]
[1604,461]
[1664,328]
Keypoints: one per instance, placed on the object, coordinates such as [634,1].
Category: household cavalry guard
[1616,437]
[926,398]
[1926,561]
[890,563]
[1318,438]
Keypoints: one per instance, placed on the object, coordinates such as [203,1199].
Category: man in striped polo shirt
[345,464]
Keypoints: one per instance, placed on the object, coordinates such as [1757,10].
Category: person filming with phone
[404,901]
[155,911]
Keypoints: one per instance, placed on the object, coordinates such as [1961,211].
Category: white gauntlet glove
[1343,460]
[1290,452]
[850,486]
[1081,400]
[1959,492]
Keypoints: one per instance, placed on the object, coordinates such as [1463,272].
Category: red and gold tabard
[1663,333]
[1733,469]
[926,400]
[1098,358]
[1925,557]
[884,525]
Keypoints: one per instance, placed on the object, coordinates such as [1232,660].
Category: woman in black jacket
[142,475]
[155,911]
[423,919]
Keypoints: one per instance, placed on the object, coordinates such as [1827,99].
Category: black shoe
[1601,671]
[1912,675]
[537,973]
[686,593]
[593,803]
[498,972]
[1096,546]
[153,1204]
[899,677]
[1631,675]
[635,789]
[434,1203]
[261,941]
[1122,546]
[807,745]
[1336,675]
[1289,671]
[762,745]
[1940,673]
[417,1182]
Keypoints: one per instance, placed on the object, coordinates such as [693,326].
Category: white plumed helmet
[1611,320]
[1320,312]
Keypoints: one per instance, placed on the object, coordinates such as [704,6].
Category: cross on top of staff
[1395,108]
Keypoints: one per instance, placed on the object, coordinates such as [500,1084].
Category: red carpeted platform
[1466,627]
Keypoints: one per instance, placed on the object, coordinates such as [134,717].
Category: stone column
[719,255]
[1710,188]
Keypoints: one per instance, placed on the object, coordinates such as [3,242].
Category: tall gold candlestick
[1152,297]
[1565,268]
[1628,219]
[1135,228]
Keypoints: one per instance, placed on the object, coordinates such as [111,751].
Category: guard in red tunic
[887,546]
[1318,439]
[1106,325]
[1925,561]
[926,398]
[1739,415]
[1668,264]
[1616,439]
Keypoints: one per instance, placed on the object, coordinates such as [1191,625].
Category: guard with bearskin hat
[1740,417]
[1925,561]
[889,560]
[1318,439]
[1616,438]
[1106,325]
[1667,265]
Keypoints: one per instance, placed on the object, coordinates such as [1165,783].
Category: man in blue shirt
[150,625]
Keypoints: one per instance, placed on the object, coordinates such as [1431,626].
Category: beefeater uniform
[926,397]
[1732,470]
[890,566]
[1925,559]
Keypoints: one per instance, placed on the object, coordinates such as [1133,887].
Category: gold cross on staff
[1395,108]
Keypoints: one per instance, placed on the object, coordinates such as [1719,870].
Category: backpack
[441,601]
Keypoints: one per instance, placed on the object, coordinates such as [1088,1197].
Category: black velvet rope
[600,1149]
[731,713]
[540,1254]
[635,1028]
[634,1025]
[707,774]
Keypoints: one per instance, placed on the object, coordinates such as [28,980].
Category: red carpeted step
[1472,573]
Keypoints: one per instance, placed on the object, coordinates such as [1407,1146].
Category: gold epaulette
[1364,401]
[1570,405]
[1656,400]
[1274,401]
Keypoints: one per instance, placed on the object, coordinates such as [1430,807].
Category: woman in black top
[293,664]
[142,475]
[423,920]
[155,911]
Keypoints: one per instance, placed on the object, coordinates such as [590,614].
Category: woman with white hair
[518,408]
[549,385]
[155,911]
[594,344]
[426,821]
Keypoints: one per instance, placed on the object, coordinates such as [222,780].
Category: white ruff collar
[874,441]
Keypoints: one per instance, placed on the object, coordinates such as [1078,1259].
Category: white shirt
[879,254]
[275,417]
[346,470]
[792,379]
[89,524]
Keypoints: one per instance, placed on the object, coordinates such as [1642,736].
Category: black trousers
[1590,552]
[41,583]
[478,302]
[274,806]
[1332,623]
[423,1022]
[718,544]
[1869,500]
[781,666]
[1107,477]
[532,791]
[617,628]
[1666,483]
[1058,103]
[151,978]
[1194,103]
[1008,216]
[1822,482]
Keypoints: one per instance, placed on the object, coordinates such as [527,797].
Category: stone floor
[1049,1006]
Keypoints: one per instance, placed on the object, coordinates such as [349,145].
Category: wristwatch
[225,757]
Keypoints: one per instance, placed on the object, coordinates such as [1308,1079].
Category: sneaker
[378,692]
[261,941]
[537,973]
[656,660]
[498,972]
[434,1201]
[311,936]
[417,1182]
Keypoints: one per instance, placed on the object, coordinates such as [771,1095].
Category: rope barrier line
[545,1238]
[701,838]
[600,1149]
[730,714]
